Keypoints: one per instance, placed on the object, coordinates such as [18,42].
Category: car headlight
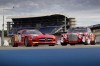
[80,36]
[65,36]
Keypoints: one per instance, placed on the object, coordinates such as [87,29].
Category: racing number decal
[18,38]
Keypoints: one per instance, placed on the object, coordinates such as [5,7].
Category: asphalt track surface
[49,47]
[78,55]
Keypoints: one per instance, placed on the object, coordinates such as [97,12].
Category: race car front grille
[45,39]
[72,37]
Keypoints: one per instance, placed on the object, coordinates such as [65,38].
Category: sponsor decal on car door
[18,38]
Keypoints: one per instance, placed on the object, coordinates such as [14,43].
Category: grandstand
[47,24]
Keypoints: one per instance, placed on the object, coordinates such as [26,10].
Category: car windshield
[75,30]
[32,32]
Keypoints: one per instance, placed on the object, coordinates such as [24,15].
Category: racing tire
[35,45]
[93,42]
[26,42]
[85,43]
[13,43]
[51,45]
[72,44]
[63,44]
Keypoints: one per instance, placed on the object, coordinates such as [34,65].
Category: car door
[22,36]
[19,36]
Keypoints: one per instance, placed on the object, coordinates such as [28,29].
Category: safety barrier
[97,38]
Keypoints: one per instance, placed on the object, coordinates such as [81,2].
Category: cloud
[75,5]
[86,11]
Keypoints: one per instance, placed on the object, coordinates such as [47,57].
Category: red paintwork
[89,35]
[35,40]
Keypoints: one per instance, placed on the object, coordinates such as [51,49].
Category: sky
[86,12]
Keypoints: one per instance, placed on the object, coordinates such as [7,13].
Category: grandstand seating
[46,24]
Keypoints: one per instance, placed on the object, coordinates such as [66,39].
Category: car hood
[79,33]
[42,35]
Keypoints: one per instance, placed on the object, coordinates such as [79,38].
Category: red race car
[78,35]
[32,38]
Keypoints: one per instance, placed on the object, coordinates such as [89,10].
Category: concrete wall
[98,38]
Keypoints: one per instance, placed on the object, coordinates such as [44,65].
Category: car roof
[26,30]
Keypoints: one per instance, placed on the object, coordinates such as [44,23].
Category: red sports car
[32,38]
[78,35]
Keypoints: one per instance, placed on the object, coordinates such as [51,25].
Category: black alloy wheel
[26,42]
[64,44]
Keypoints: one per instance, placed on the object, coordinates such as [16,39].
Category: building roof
[32,16]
